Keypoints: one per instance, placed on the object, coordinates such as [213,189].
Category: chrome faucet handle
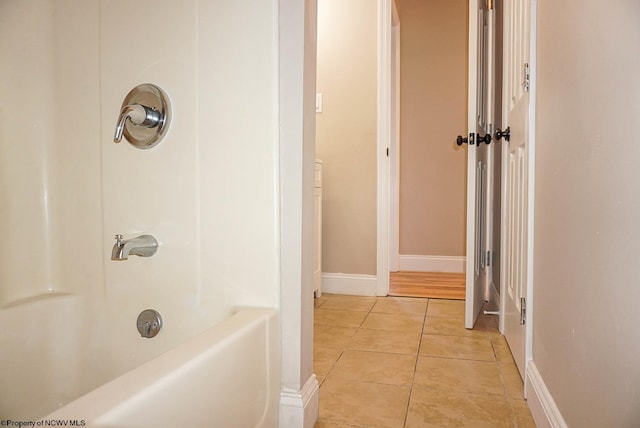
[138,115]
[131,112]
[144,116]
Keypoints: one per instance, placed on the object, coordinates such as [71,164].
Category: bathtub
[227,377]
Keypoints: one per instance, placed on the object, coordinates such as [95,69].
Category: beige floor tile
[394,322]
[332,337]
[470,348]
[488,323]
[365,360]
[450,326]
[334,318]
[522,414]
[323,360]
[501,349]
[396,342]
[348,303]
[363,404]
[460,375]
[434,408]
[375,367]
[513,385]
[445,308]
[400,307]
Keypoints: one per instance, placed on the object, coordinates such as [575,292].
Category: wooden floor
[435,285]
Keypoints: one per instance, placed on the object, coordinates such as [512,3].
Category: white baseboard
[415,263]
[543,408]
[300,409]
[347,283]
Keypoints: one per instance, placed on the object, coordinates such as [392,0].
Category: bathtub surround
[179,191]
[50,187]
[210,192]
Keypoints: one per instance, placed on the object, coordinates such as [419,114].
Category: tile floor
[402,362]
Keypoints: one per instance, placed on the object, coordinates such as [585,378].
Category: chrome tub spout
[143,246]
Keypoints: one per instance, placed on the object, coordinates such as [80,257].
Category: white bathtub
[227,377]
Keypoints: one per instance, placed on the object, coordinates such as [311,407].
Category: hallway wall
[346,133]
[433,79]
[587,238]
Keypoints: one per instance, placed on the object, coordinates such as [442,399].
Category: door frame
[530,194]
[394,146]
[388,121]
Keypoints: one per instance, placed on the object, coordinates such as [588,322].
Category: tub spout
[143,246]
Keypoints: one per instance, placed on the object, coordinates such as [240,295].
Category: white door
[515,155]
[480,117]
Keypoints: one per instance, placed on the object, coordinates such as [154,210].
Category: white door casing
[515,264]
[479,125]
[394,146]
[386,115]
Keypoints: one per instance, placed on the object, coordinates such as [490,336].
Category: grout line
[415,367]
[456,358]
[344,348]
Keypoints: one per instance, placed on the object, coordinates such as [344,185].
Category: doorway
[432,174]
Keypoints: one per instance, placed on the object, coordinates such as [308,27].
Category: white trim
[415,263]
[348,283]
[473,300]
[494,295]
[385,22]
[300,408]
[543,407]
[296,61]
[394,147]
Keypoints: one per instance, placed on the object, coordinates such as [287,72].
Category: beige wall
[346,133]
[587,238]
[433,79]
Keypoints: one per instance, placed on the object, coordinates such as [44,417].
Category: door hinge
[527,77]
[488,258]
[523,310]
[387,151]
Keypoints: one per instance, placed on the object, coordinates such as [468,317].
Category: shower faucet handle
[138,115]
[144,117]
